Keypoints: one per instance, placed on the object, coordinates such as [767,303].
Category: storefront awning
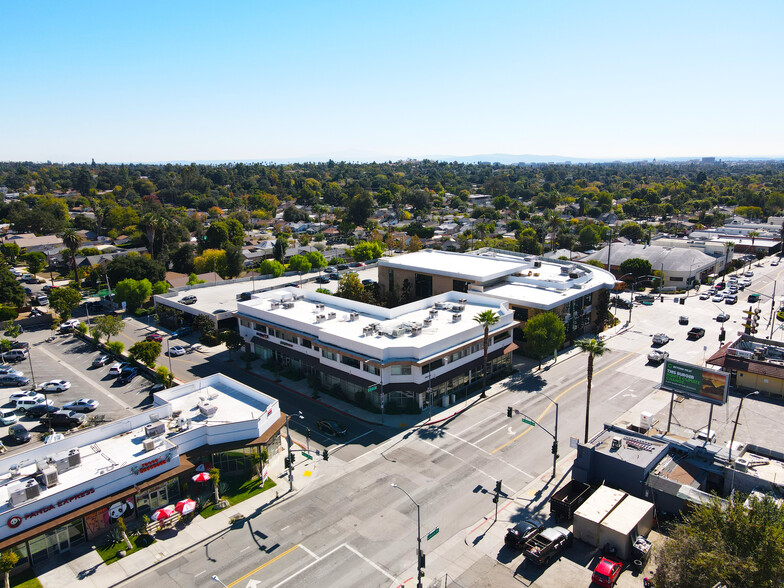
[509,348]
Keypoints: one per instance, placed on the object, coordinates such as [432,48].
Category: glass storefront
[158,496]
[56,541]
[235,461]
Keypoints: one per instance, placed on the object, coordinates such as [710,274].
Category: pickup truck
[63,418]
[543,547]
[695,333]
[568,499]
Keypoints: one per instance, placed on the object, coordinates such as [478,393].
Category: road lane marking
[473,466]
[572,387]
[477,423]
[491,433]
[262,566]
[309,552]
[371,562]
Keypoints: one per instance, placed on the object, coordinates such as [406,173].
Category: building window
[521,314]
[371,369]
[391,279]
[306,343]
[501,336]
[400,370]
[460,285]
[329,355]
[260,328]
[676,279]
[433,365]
[423,286]
[349,361]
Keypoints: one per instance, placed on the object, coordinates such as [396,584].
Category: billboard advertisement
[696,382]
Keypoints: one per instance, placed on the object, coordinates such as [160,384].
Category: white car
[82,405]
[54,386]
[745,282]
[23,394]
[116,368]
[69,324]
[661,339]
[774,263]
[176,351]
[749,274]
[704,296]
[718,298]
[7,369]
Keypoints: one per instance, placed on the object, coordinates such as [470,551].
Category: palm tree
[594,348]
[486,318]
[72,241]
[728,245]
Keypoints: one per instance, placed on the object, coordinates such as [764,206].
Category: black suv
[332,428]
[517,536]
[19,433]
[127,375]
[63,418]
[38,410]
[696,333]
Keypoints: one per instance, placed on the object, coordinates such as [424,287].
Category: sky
[234,81]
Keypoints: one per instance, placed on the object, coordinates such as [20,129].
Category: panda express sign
[16,520]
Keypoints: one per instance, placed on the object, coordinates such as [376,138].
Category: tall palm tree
[594,348]
[728,245]
[486,318]
[72,241]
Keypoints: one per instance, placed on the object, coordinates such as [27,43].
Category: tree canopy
[544,333]
[637,267]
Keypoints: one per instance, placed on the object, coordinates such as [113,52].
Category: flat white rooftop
[463,266]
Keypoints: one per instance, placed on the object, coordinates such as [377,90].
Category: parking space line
[81,377]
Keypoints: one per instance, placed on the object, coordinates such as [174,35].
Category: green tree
[732,544]
[72,241]
[11,291]
[588,237]
[637,267]
[235,261]
[108,326]
[279,249]
[211,260]
[603,315]
[136,267]
[594,348]
[161,287]
[64,300]
[8,559]
[215,477]
[115,347]
[124,532]
[299,264]
[36,261]
[316,259]
[133,292]
[351,288]
[632,231]
[486,318]
[271,267]
[203,324]
[544,334]
[232,340]
[146,352]
[10,251]
[595,263]
[528,242]
[368,250]
[165,377]
[193,279]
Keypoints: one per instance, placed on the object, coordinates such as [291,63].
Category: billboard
[696,382]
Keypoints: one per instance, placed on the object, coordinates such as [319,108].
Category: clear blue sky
[262,80]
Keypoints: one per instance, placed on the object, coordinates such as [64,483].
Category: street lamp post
[168,352]
[555,434]
[737,418]
[288,442]
[419,537]
[218,580]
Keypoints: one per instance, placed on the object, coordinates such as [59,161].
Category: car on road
[517,536]
[695,333]
[342,266]
[102,360]
[38,410]
[606,572]
[69,324]
[745,282]
[117,367]
[718,298]
[154,337]
[63,419]
[176,351]
[82,405]
[683,320]
[19,433]
[331,428]
[723,317]
[54,386]
[190,299]
[358,264]
[127,375]
[749,274]
[661,339]
[657,356]
[322,280]
[731,299]
[754,298]
[14,380]
[244,296]
[181,332]
[705,295]
[774,263]
[719,286]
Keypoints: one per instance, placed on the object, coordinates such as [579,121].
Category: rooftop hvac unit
[288,305]
[463,300]
[212,395]
[49,477]
[32,489]
[564,269]
[183,423]
[416,331]
[458,308]
[742,464]
[319,307]
[367,331]
[274,305]
[17,494]
[353,316]
[61,464]
[331,315]
[439,305]
[154,429]
[456,317]
[427,322]
[299,297]
[14,470]
[320,318]
[74,458]
[148,444]
[433,313]
[207,409]
[646,420]
[537,263]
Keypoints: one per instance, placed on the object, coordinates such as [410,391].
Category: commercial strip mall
[56,496]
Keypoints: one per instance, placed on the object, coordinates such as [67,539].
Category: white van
[15,355]
[24,403]
[7,416]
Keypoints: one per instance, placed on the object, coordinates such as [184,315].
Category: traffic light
[722,335]
[422,562]
[307,433]
[509,412]
[555,447]
[286,463]
[326,455]
[495,498]
[293,458]
[498,487]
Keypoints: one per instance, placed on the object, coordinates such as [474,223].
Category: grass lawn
[238,491]
[109,554]
[25,579]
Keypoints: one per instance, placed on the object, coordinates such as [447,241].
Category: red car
[154,337]
[606,572]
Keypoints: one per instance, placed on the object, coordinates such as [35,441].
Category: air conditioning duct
[16,493]
[74,458]
[207,409]
[49,477]
[154,429]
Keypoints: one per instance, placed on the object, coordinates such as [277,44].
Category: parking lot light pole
[737,418]
[288,443]
[419,537]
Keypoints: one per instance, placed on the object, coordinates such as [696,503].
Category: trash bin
[683,301]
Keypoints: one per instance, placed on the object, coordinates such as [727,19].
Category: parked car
[15,355]
[63,418]
[154,337]
[82,405]
[695,333]
[334,276]
[683,320]
[54,386]
[754,297]
[331,428]
[38,410]
[661,339]
[657,356]
[23,394]
[19,433]
[330,269]
[731,299]
[545,546]
[723,317]
[342,266]
[14,380]
[42,300]
[705,295]
[102,360]
[190,299]
[7,369]
[606,572]
[775,262]
[368,282]
[517,536]
[127,375]
[322,280]
[181,332]
[8,416]
[20,344]
[176,351]
[23,404]
[117,367]
[69,324]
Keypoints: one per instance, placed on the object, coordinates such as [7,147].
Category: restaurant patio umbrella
[202,477]
[162,513]
[185,506]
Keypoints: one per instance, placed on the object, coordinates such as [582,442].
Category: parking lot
[69,358]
